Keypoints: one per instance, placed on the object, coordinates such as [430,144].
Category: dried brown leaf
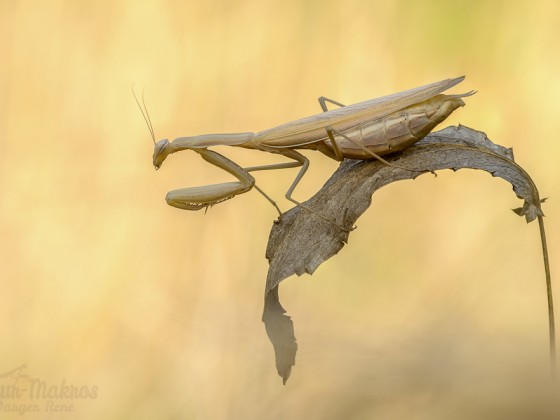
[303,241]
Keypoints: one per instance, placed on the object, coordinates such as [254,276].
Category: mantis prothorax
[366,130]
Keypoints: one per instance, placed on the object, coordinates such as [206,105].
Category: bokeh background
[435,309]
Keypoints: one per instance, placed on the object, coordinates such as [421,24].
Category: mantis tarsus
[366,130]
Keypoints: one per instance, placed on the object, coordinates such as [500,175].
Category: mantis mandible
[366,130]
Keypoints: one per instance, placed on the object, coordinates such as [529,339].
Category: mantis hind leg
[323,102]
[369,152]
[338,153]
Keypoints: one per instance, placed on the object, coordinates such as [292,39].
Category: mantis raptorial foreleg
[198,197]
[187,198]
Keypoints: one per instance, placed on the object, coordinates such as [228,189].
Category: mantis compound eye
[160,153]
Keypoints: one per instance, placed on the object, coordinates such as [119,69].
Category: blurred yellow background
[435,309]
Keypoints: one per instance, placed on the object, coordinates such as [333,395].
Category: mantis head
[161,151]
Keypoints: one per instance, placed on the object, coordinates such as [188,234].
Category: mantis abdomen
[392,133]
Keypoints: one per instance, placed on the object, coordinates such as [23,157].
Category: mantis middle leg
[298,160]
[304,163]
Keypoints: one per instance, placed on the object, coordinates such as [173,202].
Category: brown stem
[551,327]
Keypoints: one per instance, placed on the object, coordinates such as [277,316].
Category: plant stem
[551,327]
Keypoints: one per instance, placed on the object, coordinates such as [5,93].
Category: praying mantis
[366,130]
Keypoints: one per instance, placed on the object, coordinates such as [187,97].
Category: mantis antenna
[145,115]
